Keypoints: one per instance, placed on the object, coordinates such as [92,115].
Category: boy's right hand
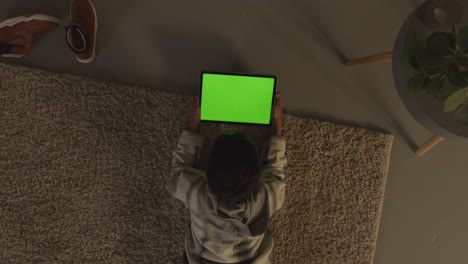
[277,114]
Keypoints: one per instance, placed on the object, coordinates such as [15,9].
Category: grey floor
[165,44]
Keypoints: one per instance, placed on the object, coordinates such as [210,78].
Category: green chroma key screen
[237,98]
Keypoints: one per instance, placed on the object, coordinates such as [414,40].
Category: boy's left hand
[194,119]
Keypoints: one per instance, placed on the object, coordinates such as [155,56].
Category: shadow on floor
[289,20]
[186,54]
[55,8]
[111,15]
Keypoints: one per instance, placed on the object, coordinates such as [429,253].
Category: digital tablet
[236,98]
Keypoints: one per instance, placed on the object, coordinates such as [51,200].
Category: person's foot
[81,32]
[18,33]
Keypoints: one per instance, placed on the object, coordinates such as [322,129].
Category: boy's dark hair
[233,169]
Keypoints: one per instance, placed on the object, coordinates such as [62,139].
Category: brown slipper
[18,33]
[81,32]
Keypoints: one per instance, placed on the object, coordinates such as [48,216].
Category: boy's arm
[183,175]
[274,160]
[272,175]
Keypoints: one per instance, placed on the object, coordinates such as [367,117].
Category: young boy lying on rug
[230,205]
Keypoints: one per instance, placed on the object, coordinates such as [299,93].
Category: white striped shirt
[221,233]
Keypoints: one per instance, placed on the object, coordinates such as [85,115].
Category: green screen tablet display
[237,98]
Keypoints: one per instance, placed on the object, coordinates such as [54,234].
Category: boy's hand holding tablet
[235,98]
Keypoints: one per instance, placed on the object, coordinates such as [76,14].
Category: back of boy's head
[233,169]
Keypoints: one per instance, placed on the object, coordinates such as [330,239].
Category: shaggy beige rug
[83,167]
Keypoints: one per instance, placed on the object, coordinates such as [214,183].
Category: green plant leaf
[416,84]
[462,38]
[410,62]
[441,44]
[461,114]
[415,50]
[433,85]
[430,57]
[414,63]
[456,99]
[456,77]
[428,61]
[406,61]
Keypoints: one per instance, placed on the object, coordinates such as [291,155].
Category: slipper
[82,29]
[18,33]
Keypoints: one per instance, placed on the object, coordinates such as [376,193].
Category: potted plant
[441,69]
